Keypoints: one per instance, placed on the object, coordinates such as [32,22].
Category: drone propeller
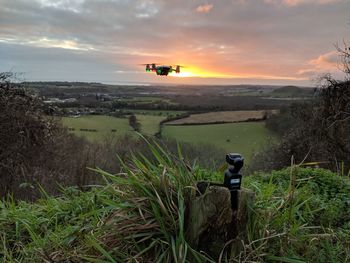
[177,70]
[150,66]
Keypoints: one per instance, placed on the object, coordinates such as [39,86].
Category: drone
[162,70]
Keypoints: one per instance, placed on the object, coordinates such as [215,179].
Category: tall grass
[137,216]
[140,215]
[299,215]
[149,224]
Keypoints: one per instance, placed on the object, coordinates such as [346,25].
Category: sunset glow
[197,72]
[262,41]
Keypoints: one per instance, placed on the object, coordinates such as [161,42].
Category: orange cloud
[301,2]
[204,8]
[326,61]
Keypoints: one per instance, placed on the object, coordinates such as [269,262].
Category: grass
[299,215]
[102,124]
[149,123]
[138,216]
[220,116]
[244,138]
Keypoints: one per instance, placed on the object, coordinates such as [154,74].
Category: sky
[223,42]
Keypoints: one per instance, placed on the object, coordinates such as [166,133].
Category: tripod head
[236,161]
[232,178]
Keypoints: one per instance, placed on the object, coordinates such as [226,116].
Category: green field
[245,137]
[105,124]
[149,123]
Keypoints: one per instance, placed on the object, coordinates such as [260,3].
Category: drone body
[162,70]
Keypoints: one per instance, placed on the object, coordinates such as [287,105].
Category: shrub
[34,148]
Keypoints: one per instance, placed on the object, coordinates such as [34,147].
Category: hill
[292,91]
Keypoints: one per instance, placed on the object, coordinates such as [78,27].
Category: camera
[232,177]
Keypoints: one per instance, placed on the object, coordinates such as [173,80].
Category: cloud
[324,63]
[71,5]
[146,9]
[242,37]
[204,8]
[301,2]
[49,43]
[327,61]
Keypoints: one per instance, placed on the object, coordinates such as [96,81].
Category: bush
[34,148]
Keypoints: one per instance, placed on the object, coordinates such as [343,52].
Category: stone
[212,222]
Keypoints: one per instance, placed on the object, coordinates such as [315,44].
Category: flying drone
[162,70]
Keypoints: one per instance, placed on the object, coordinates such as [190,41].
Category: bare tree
[344,53]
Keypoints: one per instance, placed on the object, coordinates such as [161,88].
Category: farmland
[220,117]
[240,137]
[97,127]
[244,137]
[149,123]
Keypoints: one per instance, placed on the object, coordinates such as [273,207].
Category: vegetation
[252,135]
[291,91]
[149,124]
[245,138]
[140,215]
[167,113]
[300,215]
[35,149]
[134,123]
[315,131]
[97,127]
[221,117]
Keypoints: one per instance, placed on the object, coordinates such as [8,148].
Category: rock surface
[212,222]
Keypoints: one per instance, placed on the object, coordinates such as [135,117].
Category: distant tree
[133,122]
